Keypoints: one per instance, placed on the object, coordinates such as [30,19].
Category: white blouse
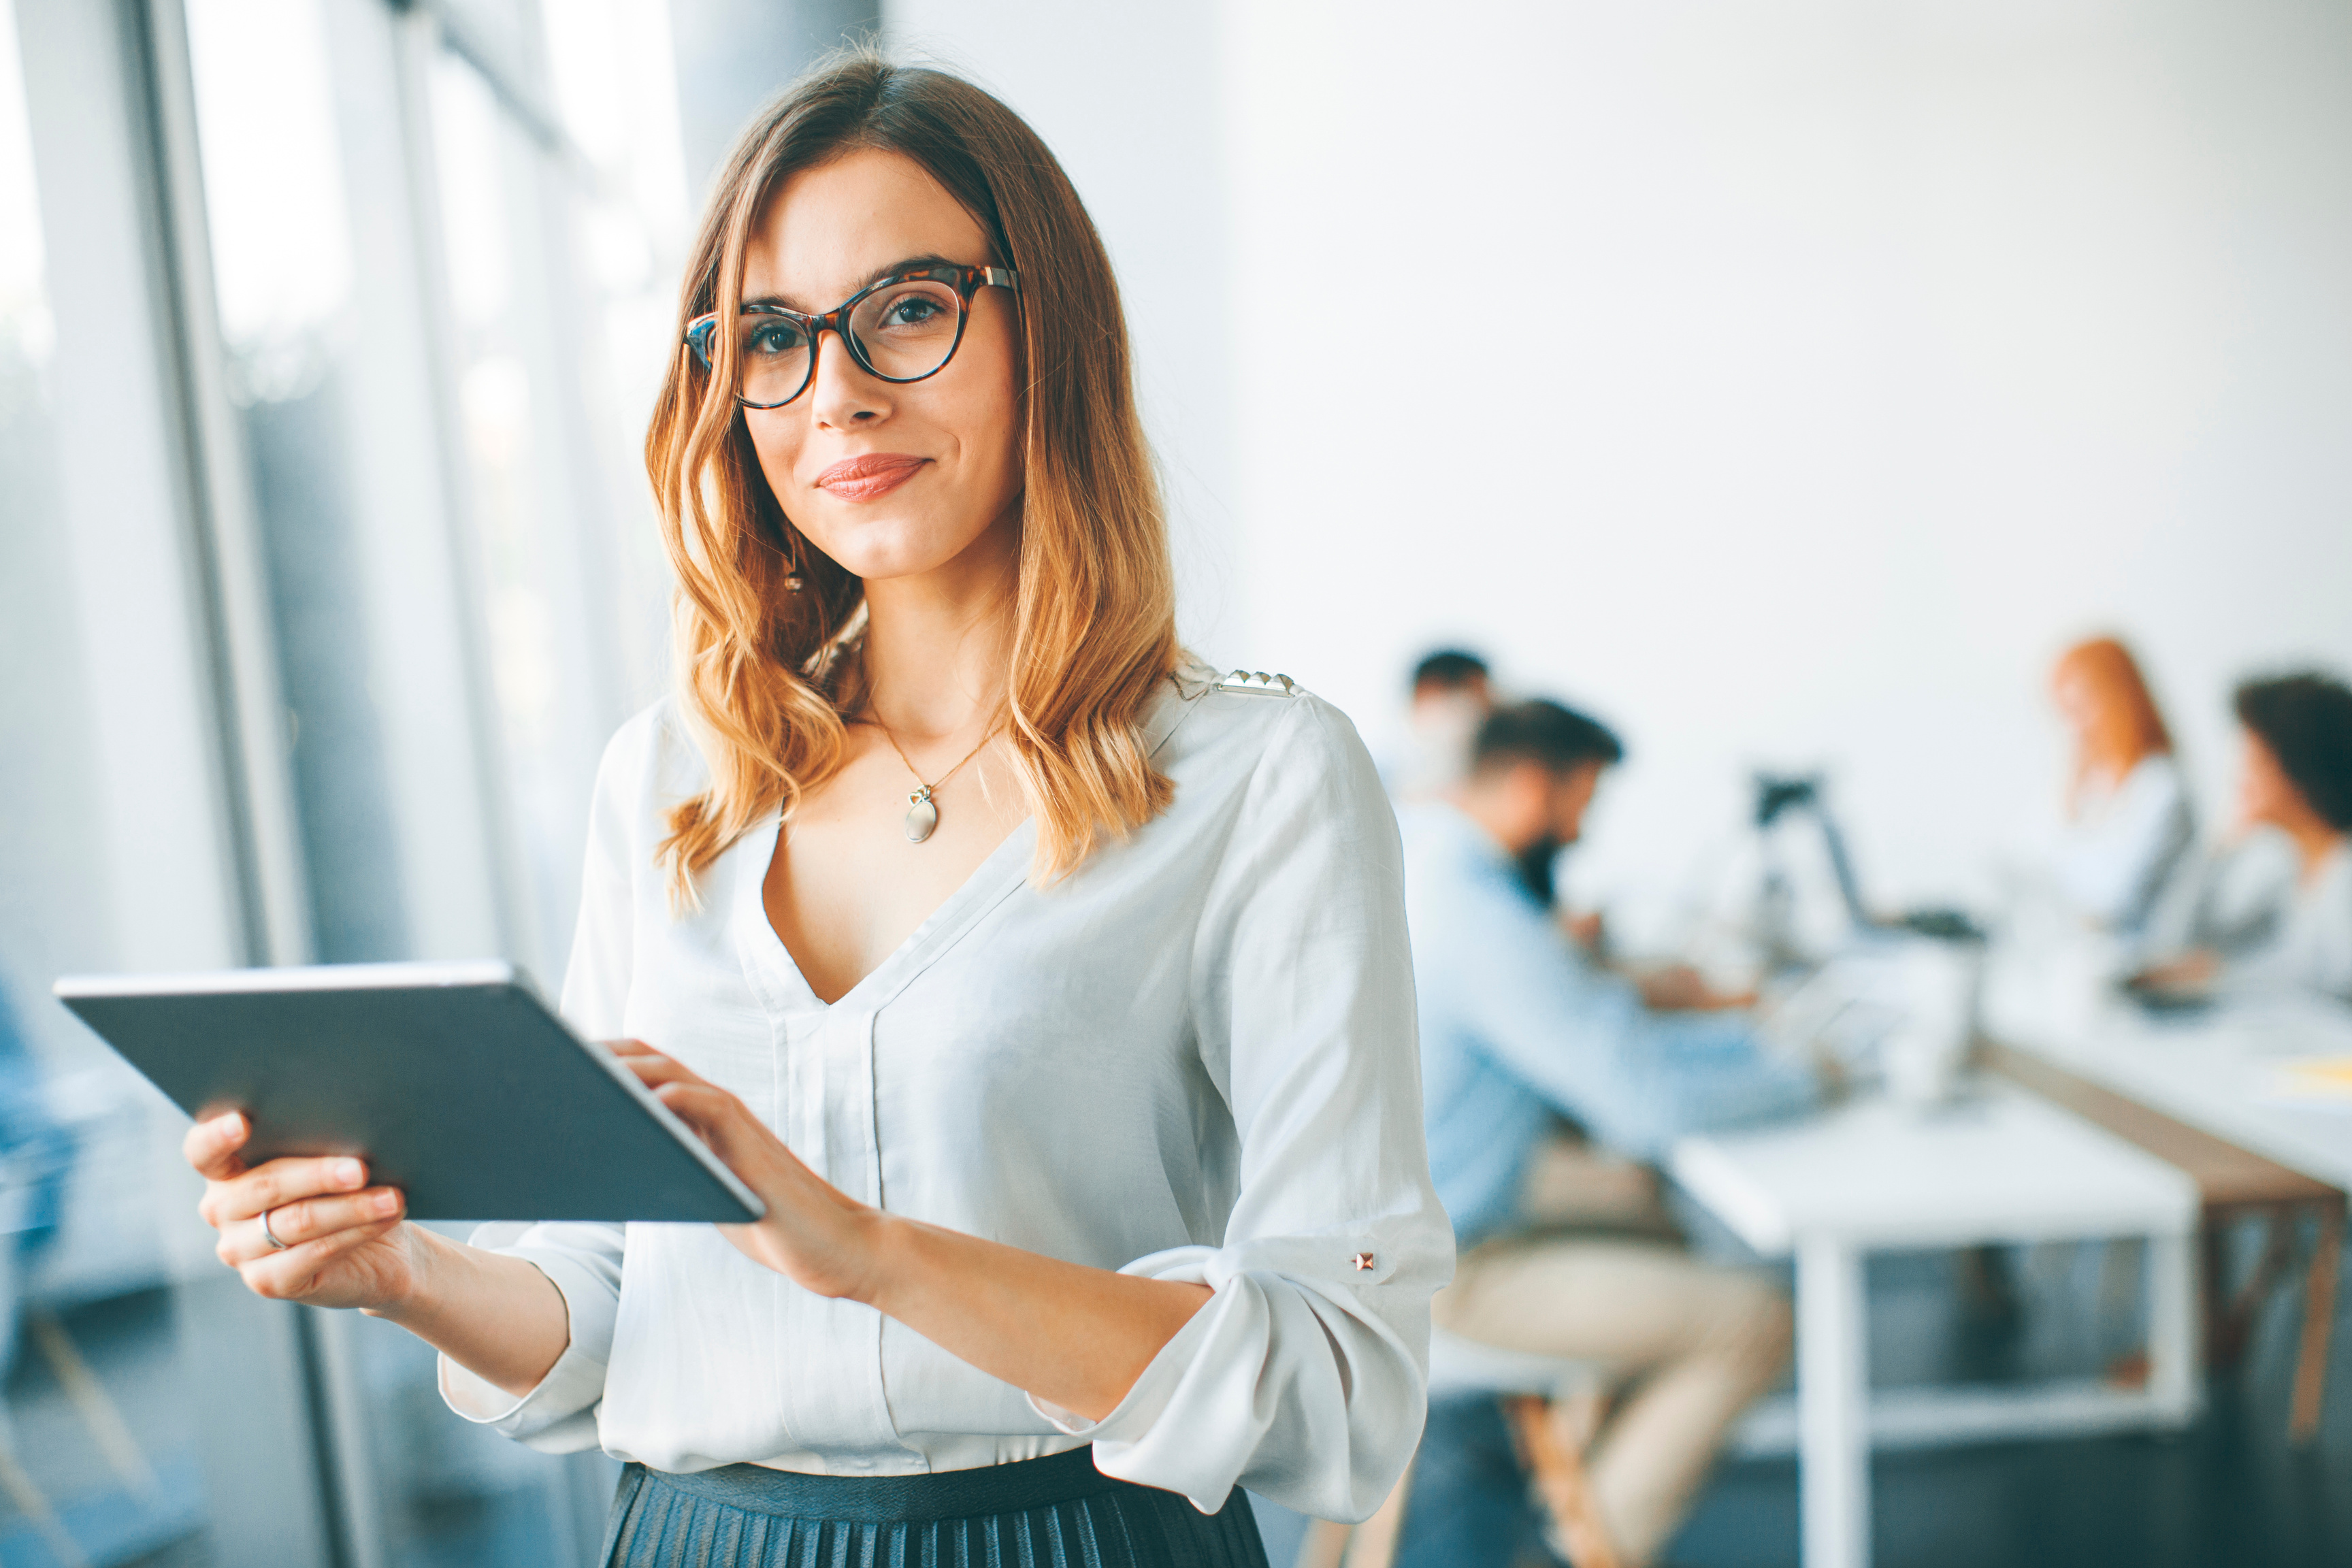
[1192,1060]
[2125,845]
[2306,943]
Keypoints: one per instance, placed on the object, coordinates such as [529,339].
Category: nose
[843,395]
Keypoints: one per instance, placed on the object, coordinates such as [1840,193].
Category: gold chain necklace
[922,810]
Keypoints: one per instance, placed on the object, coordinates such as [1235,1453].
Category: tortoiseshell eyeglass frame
[967,281]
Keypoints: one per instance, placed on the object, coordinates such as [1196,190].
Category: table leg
[1833,1405]
[2172,1327]
[2318,1317]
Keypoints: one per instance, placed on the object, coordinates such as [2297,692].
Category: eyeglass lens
[904,332]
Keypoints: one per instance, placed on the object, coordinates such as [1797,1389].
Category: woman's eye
[775,337]
[912,311]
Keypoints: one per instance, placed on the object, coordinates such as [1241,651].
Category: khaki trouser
[1697,1342]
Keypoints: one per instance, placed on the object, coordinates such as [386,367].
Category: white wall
[1787,383]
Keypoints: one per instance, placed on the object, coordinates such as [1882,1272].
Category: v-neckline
[1004,869]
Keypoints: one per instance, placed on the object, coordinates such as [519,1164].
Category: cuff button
[1363,1262]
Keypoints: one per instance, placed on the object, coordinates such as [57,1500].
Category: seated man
[1520,1027]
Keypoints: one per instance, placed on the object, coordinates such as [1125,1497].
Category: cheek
[2258,787]
[995,424]
[984,408]
[778,444]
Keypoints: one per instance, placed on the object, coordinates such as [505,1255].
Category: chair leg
[2318,1321]
[2227,1337]
[1374,1543]
[1371,1544]
[2212,1277]
[98,1411]
[1558,1468]
[1325,1545]
[27,1494]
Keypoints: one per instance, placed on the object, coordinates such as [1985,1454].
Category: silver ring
[274,1245]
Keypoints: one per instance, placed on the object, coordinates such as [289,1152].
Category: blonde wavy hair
[1095,618]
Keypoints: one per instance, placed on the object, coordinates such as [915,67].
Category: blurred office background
[1788,382]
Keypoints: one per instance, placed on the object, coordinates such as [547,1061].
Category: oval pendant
[921,817]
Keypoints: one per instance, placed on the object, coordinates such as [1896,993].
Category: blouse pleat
[657,1524]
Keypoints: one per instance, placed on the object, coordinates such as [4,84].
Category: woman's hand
[1075,1337]
[346,1243]
[2192,974]
[813,1234]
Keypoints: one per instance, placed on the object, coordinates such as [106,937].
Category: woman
[2290,931]
[1053,994]
[2128,823]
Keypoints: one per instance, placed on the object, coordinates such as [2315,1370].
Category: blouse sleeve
[1305,1376]
[583,1261]
[2116,867]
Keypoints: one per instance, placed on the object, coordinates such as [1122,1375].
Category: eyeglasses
[902,329]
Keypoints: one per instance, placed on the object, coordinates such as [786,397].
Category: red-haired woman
[1052,992]
[2129,825]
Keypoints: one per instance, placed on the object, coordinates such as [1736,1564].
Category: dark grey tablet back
[455,1082]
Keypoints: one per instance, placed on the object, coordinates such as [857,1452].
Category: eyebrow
[905,264]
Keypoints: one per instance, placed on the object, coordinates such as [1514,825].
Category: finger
[686,1101]
[740,1139]
[655,1071]
[630,1049]
[282,1181]
[211,1146]
[291,1275]
[714,1115]
[700,1103]
[307,1220]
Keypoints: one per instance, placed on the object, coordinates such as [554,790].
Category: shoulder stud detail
[1258,683]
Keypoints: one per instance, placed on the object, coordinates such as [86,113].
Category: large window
[560,203]
[435,298]
[103,1390]
[325,569]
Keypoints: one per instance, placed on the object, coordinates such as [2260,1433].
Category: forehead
[828,230]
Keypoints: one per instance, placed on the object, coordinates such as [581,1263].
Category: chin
[879,550]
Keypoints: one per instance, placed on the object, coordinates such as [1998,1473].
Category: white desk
[2000,1167]
[2215,1071]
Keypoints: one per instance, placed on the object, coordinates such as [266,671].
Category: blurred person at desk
[1452,693]
[2129,826]
[2291,929]
[1560,1254]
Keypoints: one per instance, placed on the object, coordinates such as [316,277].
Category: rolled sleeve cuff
[1251,1364]
[558,1416]
[1118,1436]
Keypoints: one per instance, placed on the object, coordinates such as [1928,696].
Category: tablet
[454,1081]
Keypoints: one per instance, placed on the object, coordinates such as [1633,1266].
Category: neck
[939,644]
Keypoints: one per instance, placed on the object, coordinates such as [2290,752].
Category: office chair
[1553,1407]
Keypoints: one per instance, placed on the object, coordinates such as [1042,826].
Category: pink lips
[874,474]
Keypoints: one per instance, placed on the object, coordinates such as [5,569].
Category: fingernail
[230,1123]
[384,1203]
[347,1171]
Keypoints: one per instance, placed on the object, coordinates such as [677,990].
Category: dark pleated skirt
[1055,1513]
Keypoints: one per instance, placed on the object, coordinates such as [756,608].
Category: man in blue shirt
[1519,1027]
